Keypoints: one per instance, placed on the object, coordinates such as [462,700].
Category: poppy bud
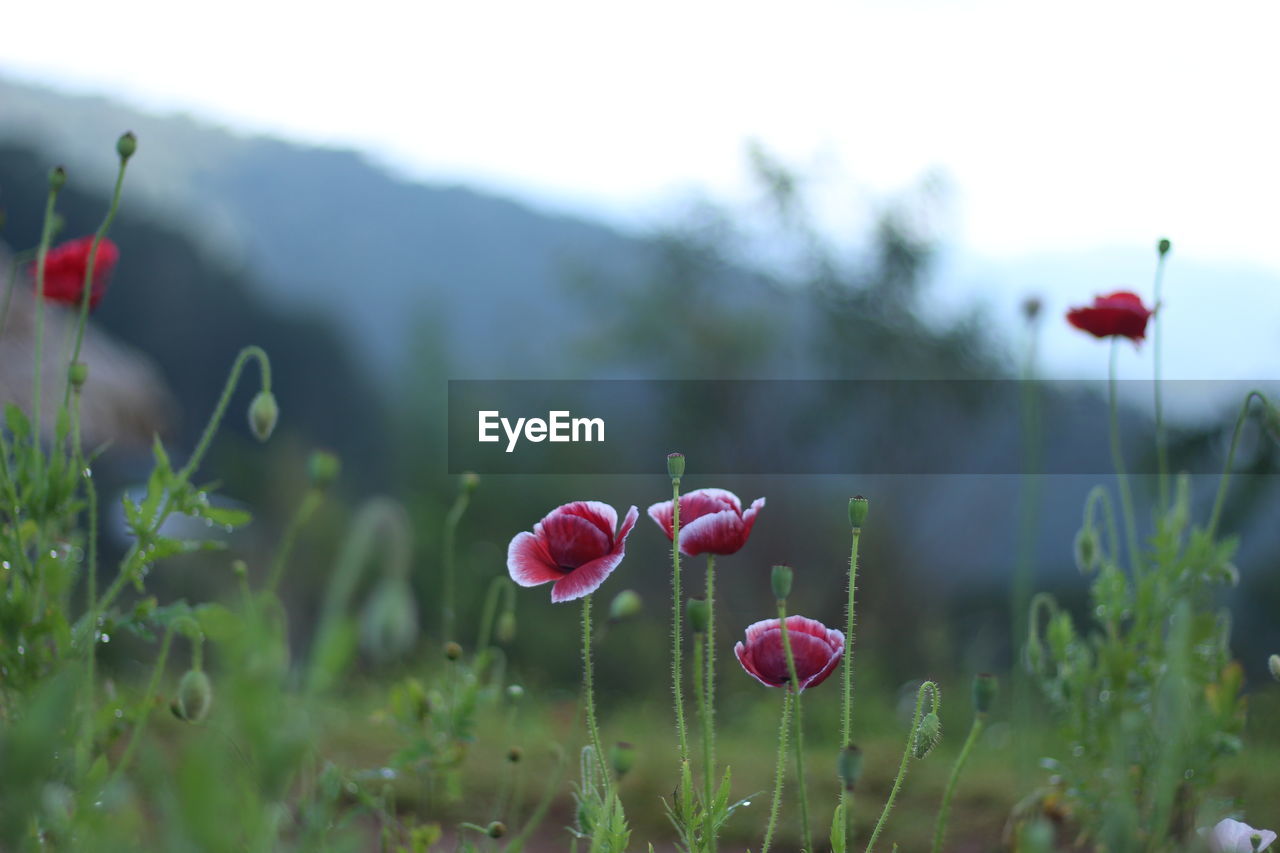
[699,614]
[928,734]
[781,580]
[497,829]
[1163,246]
[240,569]
[1272,420]
[126,145]
[675,465]
[622,757]
[857,511]
[452,650]
[195,695]
[57,179]
[625,605]
[1087,547]
[389,623]
[77,374]
[985,688]
[263,413]
[515,692]
[506,630]
[1031,307]
[514,754]
[470,479]
[323,468]
[849,766]
[1273,663]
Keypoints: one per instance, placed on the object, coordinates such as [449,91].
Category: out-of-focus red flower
[816,648]
[711,521]
[1120,314]
[64,270]
[575,547]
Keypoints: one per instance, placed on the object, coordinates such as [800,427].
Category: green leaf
[225,516]
[17,421]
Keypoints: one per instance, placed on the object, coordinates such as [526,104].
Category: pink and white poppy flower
[711,521]
[1233,836]
[816,649]
[574,547]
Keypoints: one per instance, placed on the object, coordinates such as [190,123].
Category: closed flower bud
[514,754]
[1163,246]
[497,829]
[515,692]
[857,511]
[506,630]
[240,569]
[470,480]
[195,695]
[625,605]
[985,688]
[622,757]
[323,468]
[1087,548]
[389,623]
[781,580]
[849,767]
[77,374]
[675,465]
[452,650]
[699,614]
[1031,308]
[928,734]
[126,145]
[263,413]
[57,179]
[1272,420]
[1273,663]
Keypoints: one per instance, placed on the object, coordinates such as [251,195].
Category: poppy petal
[600,514]
[572,540]
[662,513]
[717,533]
[529,562]
[585,579]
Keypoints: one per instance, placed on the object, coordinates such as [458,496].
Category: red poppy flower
[711,521]
[574,546]
[64,270]
[1120,314]
[816,648]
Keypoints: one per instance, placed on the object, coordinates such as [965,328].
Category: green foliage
[1147,698]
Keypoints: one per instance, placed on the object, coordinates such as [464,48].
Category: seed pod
[1163,246]
[497,829]
[675,465]
[57,178]
[857,511]
[781,581]
[849,767]
[1087,550]
[263,414]
[514,754]
[699,614]
[452,650]
[195,695]
[77,374]
[126,145]
[985,688]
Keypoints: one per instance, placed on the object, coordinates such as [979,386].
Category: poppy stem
[307,508]
[796,689]
[42,254]
[18,259]
[846,706]
[1162,445]
[677,650]
[709,686]
[1220,501]
[1122,477]
[779,772]
[86,292]
[906,759]
[944,812]
[589,701]
[449,560]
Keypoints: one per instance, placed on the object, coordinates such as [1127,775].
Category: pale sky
[1060,127]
